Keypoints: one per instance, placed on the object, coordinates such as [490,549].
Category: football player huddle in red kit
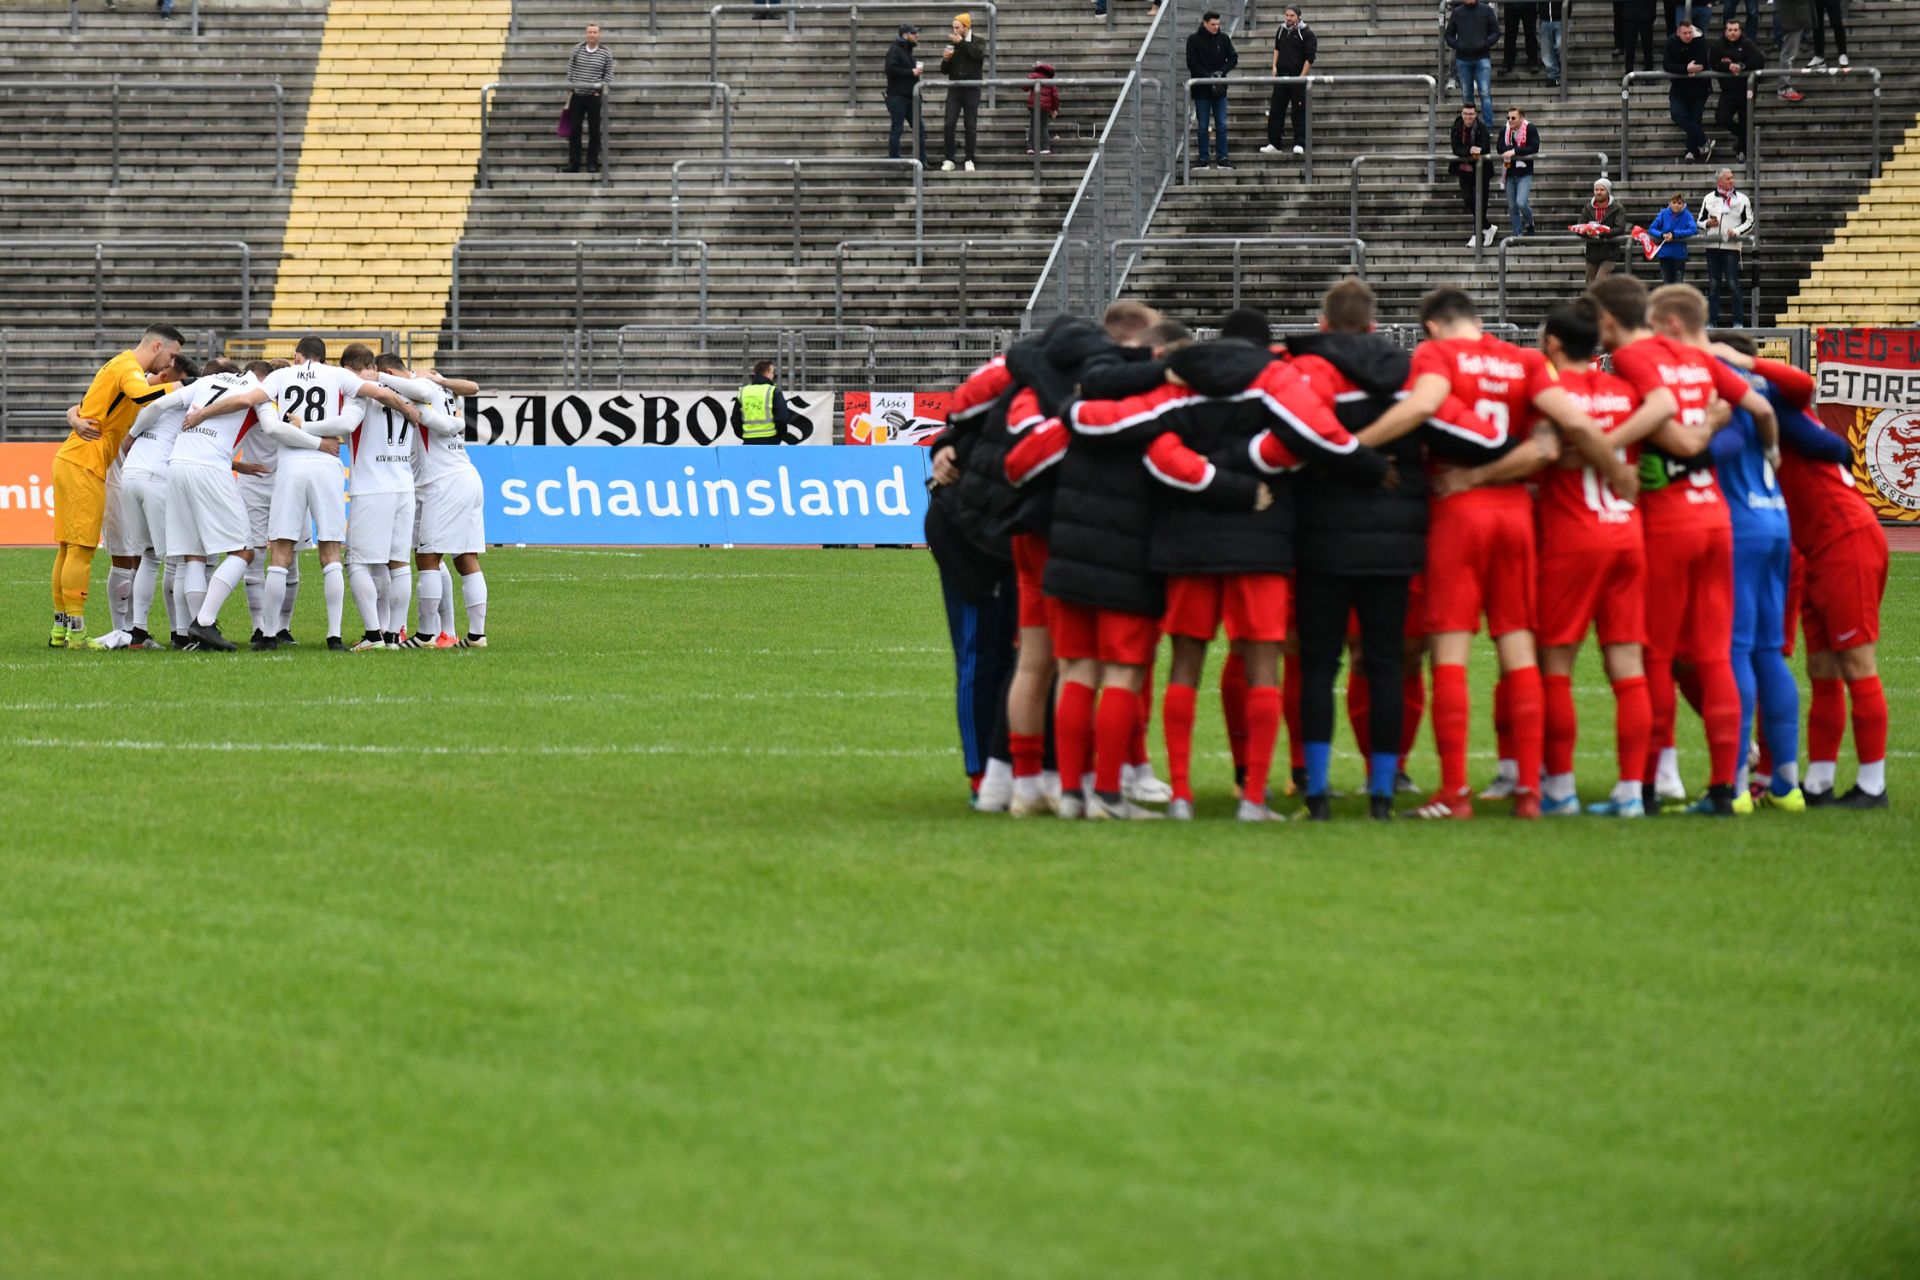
[1129,483]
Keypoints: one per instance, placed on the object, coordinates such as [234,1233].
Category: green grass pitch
[657,941]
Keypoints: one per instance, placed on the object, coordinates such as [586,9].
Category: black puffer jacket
[1103,504]
[1344,527]
[977,430]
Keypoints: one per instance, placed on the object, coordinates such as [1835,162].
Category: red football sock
[1632,726]
[1562,727]
[1073,733]
[1233,704]
[1359,704]
[1688,679]
[1176,722]
[1290,702]
[973,780]
[1525,704]
[1450,712]
[1664,704]
[1503,717]
[1413,705]
[1137,744]
[1113,727]
[1029,751]
[1263,731]
[1869,719]
[1720,709]
[1826,720]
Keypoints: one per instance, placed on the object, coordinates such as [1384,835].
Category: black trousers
[1732,112]
[1476,201]
[967,102]
[583,113]
[1633,24]
[1285,97]
[1322,602]
[1521,18]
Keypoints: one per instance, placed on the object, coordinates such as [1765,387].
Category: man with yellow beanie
[965,61]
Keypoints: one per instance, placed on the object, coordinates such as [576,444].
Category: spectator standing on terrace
[1671,228]
[1472,31]
[1753,14]
[589,71]
[1043,104]
[1210,56]
[1633,24]
[1519,144]
[1552,23]
[1522,18]
[760,413]
[965,62]
[1794,17]
[903,73]
[1470,144]
[1726,216]
[1687,61]
[1824,12]
[1294,49]
[1603,246]
[1735,53]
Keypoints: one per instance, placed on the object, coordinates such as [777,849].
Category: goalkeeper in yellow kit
[112,402]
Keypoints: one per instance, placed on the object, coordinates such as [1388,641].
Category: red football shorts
[1844,585]
[1417,627]
[1689,592]
[1104,634]
[1607,589]
[1480,559]
[1254,606]
[1029,566]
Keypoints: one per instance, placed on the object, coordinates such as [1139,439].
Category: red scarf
[1517,139]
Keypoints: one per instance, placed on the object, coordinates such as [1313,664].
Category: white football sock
[1667,775]
[293,593]
[1508,770]
[1027,788]
[219,587]
[145,579]
[399,597]
[273,594]
[1820,775]
[998,771]
[446,600]
[366,596]
[473,587]
[1741,778]
[175,589]
[1626,789]
[120,597]
[196,591]
[256,580]
[1872,778]
[1788,773]
[430,603]
[1555,786]
[333,584]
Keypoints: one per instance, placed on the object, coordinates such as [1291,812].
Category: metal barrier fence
[653,19]
[174,249]
[1356,251]
[798,167]
[853,12]
[717,90]
[1306,117]
[1034,112]
[578,248]
[118,91]
[500,359]
[966,245]
[1561,240]
[1754,171]
[842,358]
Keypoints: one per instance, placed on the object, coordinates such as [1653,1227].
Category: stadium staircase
[1870,273]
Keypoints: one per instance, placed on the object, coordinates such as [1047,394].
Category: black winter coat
[1344,527]
[900,77]
[1679,54]
[1472,31]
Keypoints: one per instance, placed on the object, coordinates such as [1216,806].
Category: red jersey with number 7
[1691,497]
[1498,381]
[1578,511]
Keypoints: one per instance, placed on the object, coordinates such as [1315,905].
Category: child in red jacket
[1049,107]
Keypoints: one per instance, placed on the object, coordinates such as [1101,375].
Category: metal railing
[1356,251]
[653,19]
[966,245]
[1306,128]
[1872,73]
[118,90]
[1481,195]
[1632,78]
[1560,240]
[798,166]
[73,16]
[578,248]
[718,91]
[853,12]
[173,248]
[1034,112]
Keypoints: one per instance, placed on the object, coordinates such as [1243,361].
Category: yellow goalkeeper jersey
[114,400]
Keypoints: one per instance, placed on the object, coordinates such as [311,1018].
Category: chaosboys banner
[686,418]
[1869,391]
[718,495]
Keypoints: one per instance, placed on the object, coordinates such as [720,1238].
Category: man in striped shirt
[589,68]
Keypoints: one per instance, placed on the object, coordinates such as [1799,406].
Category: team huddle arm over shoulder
[1132,422]
[1040,448]
[277,428]
[1808,438]
[232,402]
[419,390]
[1310,429]
[1795,385]
[1169,461]
[342,424]
[1427,394]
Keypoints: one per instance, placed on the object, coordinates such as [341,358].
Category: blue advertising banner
[558,496]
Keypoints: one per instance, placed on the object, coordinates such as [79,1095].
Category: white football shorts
[205,514]
[452,516]
[381,530]
[143,512]
[309,500]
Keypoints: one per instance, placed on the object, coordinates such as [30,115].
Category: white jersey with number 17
[382,452]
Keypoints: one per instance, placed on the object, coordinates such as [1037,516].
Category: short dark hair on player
[1447,304]
[387,362]
[1249,324]
[1348,306]
[187,370]
[163,331]
[260,368]
[1735,338]
[1167,333]
[1623,298]
[1577,326]
[219,364]
[763,368]
[1127,320]
[311,348]
[358,356]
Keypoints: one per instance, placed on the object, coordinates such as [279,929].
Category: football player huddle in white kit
[411,484]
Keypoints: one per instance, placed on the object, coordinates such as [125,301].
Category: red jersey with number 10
[1691,497]
[1498,381]
[1578,511]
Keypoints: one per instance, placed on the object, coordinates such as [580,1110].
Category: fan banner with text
[1868,390]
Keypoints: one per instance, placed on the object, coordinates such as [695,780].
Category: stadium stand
[1870,273]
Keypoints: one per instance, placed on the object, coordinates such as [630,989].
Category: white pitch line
[517,751]
[492,699]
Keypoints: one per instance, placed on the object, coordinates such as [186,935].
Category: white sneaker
[111,640]
[1125,811]
[1472,241]
[1071,807]
[946,166]
[1491,232]
[1050,787]
[1180,810]
[1140,786]
[1269,150]
[1501,788]
[1815,62]
[993,796]
[366,646]
[1843,62]
[1027,803]
[1299,150]
[968,166]
[1251,812]
[1670,789]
